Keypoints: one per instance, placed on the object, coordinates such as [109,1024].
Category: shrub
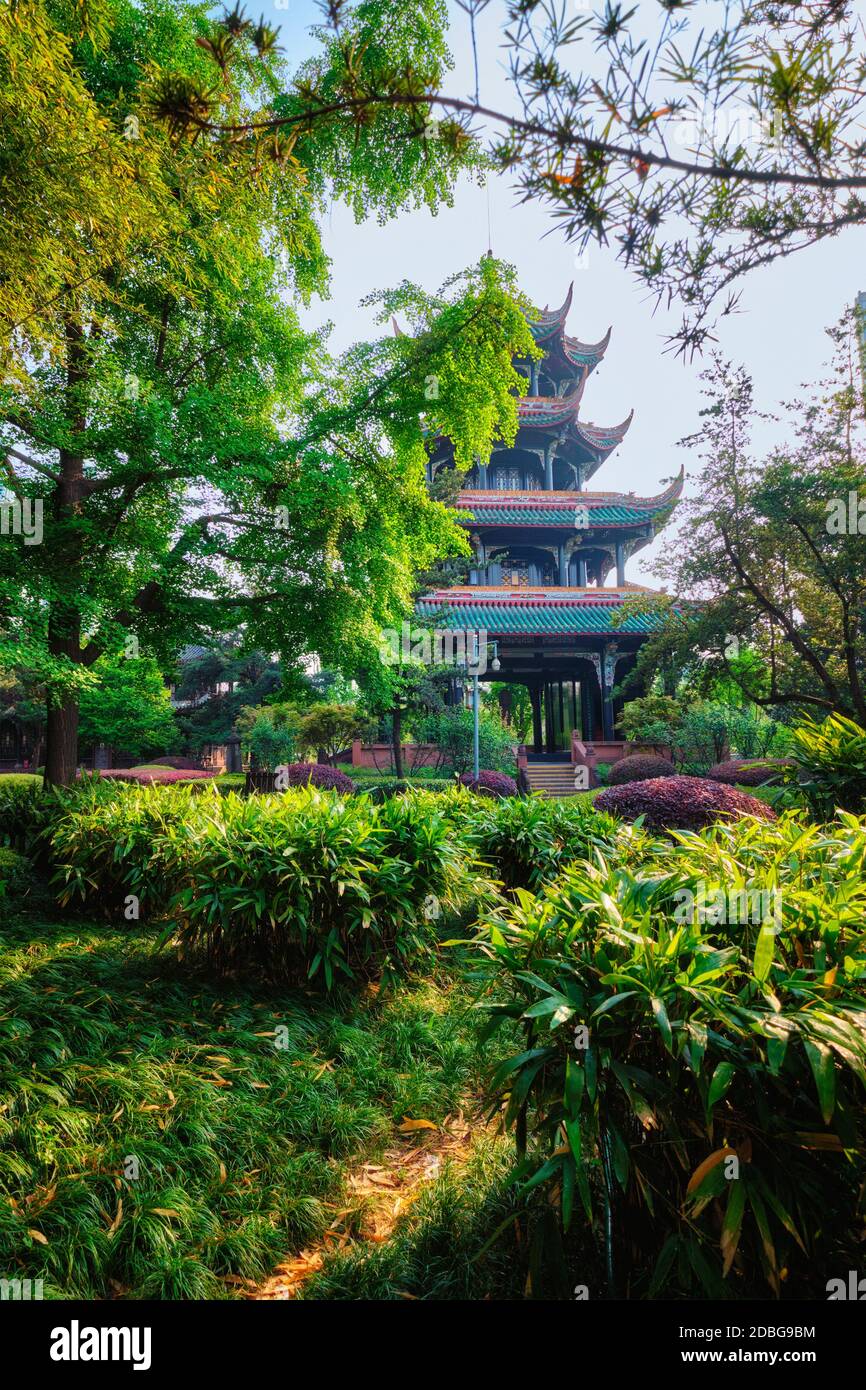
[106,843]
[660,1058]
[650,718]
[146,775]
[452,732]
[318,775]
[26,812]
[489,783]
[741,772]
[679,803]
[310,886]
[16,875]
[827,765]
[527,840]
[639,767]
[304,885]
[180,764]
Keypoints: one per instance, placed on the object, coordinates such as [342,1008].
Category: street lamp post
[494,666]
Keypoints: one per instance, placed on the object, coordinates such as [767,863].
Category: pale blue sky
[779,335]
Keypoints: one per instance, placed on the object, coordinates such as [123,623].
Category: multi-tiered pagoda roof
[545,546]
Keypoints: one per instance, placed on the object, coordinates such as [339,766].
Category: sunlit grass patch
[161,1136]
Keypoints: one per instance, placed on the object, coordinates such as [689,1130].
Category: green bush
[526,840]
[826,765]
[694,1086]
[452,732]
[109,841]
[306,884]
[16,876]
[26,812]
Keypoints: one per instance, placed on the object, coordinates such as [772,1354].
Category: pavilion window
[507,479]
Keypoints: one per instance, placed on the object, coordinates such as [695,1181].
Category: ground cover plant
[164,1136]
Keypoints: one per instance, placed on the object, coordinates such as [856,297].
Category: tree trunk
[61,758]
[64,619]
[397,736]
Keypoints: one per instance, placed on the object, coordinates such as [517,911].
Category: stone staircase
[552,779]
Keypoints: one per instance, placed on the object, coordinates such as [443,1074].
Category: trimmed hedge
[318,775]
[639,767]
[180,764]
[749,772]
[680,803]
[490,783]
[147,775]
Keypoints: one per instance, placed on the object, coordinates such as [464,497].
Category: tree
[206,713]
[331,727]
[269,734]
[769,576]
[453,733]
[700,149]
[200,461]
[128,706]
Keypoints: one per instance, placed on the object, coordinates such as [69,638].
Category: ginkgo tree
[201,462]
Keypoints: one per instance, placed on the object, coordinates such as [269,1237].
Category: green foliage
[332,727]
[660,1042]
[785,634]
[827,765]
[129,708]
[243,1108]
[452,732]
[269,734]
[16,876]
[210,715]
[527,840]
[204,464]
[305,885]
[26,811]
[642,716]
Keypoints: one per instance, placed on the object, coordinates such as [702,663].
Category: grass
[23,778]
[238,1109]
[442,1249]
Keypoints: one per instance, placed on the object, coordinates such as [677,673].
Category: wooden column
[537,732]
[620,564]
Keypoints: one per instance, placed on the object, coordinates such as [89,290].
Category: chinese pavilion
[545,546]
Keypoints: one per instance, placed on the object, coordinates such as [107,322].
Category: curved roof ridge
[585,354]
[605,437]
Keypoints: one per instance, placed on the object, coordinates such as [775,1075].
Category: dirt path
[376,1196]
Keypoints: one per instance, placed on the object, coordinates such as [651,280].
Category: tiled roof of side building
[538,612]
